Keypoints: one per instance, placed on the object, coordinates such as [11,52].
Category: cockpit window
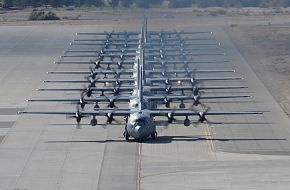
[140,122]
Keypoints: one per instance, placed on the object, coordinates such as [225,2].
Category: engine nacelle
[94,122]
[181,105]
[186,122]
[170,117]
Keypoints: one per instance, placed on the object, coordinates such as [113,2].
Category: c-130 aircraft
[140,115]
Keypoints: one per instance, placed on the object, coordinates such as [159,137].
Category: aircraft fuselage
[140,125]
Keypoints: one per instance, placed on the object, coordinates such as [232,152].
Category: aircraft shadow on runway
[170,139]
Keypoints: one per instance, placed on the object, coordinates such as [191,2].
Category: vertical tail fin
[141,63]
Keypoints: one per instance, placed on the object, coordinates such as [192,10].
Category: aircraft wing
[183,54]
[165,112]
[97,88]
[102,55]
[97,62]
[187,71]
[95,99]
[177,88]
[176,97]
[99,71]
[182,79]
[96,80]
[163,62]
[153,112]
[100,112]
[112,33]
[177,32]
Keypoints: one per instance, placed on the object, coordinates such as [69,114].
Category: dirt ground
[266,48]
[261,35]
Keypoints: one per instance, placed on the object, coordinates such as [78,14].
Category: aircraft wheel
[154,135]
[126,135]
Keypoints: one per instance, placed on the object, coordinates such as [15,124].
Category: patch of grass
[42,15]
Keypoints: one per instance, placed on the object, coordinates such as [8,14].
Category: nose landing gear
[154,135]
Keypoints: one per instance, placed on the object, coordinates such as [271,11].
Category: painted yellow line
[210,138]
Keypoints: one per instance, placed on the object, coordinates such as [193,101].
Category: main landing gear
[154,135]
[126,135]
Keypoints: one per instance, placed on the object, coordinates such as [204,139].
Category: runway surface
[48,152]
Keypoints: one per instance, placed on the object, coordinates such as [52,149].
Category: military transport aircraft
[141,112]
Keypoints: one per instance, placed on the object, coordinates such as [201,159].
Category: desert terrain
[266,48]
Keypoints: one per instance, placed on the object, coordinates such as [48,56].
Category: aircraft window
[140,122]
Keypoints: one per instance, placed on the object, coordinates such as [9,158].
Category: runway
[48,152]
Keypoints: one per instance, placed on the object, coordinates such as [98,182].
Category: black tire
[154,135]
[126,135]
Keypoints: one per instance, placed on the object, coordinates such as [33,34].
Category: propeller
[122,50]
[163,72]
[196,100]
[93,74]
[82,103]
[166,101]
[167,81]
[120,64]
[193,81]
[195,90]
[170,117]
[97,64]
[87,91]
[202,115]
[116,90]
[118,82]
[78,116]
[122,56]
[117,73]
[91,81]
[111,102]
[110,118]
[168,89]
